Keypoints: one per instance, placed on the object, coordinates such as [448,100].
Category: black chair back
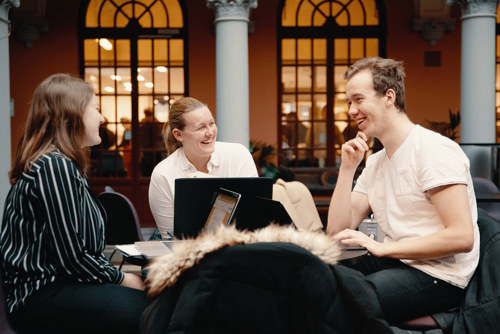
[122,226]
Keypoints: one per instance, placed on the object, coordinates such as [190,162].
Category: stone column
[5,150]
[477,102]
[231,28]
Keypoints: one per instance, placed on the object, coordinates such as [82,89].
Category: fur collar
[165,270]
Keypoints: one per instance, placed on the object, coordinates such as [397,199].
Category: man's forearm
[340,210]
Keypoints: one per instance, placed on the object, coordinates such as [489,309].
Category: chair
[299,203]
[485,185]
[122,225]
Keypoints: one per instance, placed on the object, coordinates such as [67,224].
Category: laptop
[194,197]
[273,212]
[224,205]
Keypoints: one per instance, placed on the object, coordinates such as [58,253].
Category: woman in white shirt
[190,138]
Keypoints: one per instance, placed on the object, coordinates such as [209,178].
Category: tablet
[223,208]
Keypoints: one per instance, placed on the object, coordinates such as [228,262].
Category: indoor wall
[431,90]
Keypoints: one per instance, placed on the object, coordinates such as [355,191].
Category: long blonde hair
[176,120]
[55,121]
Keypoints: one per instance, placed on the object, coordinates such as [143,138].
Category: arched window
[134,54]
[317,41]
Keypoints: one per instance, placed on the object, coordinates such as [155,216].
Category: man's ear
[390,95]
[177,134]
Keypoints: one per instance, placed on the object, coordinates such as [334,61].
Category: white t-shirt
[228,160]
[397,194]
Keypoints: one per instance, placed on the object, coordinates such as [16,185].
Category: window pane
[319,51]
[145,103]
[320,106]
[123,83]
[160,51]
[372,47]
[177,52]
[107,52]
[92,76]
[357,49]
[107,81]
[320,78]
[288,15]
[357,15]
[304,48]
[161,103]
[122,19]
[319,134]
[122,52]
[305,78]
[145,18]
[305,103]
[174,14]
[371,12]
[288,51]
[108,108]
[145,80]
[306,11]
[177,80]
[124,109]
[338,78]
[161,80]
[341,50]
[342,16]
[144,52]
[91,54]
[288,105]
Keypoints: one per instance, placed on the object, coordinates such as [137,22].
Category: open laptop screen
[194,197]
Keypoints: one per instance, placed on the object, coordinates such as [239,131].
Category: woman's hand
[133,281]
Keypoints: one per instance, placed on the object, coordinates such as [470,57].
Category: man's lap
[405,292]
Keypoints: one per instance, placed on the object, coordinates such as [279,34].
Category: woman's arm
[161,203]
[74,224]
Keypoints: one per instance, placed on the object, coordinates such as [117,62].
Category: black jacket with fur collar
[261,287]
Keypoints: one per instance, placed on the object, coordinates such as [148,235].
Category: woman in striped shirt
[56,277]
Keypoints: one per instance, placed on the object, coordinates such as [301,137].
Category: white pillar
[5,151]
[477,102]
[231,28]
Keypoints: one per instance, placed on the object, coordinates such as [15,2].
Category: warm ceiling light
[116,77]
[149,84]
[109,89]
[105,44]
[140,78]
[161,69]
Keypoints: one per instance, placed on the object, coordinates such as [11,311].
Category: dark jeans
[405,292]
[81,308]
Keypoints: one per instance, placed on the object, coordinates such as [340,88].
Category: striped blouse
[52,229]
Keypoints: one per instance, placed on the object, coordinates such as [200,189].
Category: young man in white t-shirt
[420,191]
